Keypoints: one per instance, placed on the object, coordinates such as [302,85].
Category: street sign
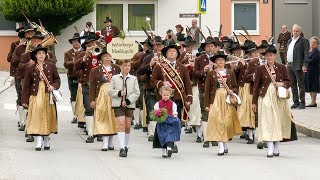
[202,6]
[189,15]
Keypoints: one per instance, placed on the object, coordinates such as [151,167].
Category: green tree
[55,15]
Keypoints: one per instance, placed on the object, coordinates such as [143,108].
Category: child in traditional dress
[169,131]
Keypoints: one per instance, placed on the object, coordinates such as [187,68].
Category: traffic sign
[202,6]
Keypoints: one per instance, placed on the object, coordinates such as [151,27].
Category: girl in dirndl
[223,122]
[104,118]
[40,80]
[275,118]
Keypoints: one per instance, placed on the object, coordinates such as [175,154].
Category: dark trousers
[179,107]
[297,79]
[86,100]
[204,113]
[18,86]
[283,56]
[150,100]
[73,88]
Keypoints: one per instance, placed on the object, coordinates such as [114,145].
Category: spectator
[194,31]
[179,34]
[312,74]
[89,28]
[297,62]
[170,38]
[283,38]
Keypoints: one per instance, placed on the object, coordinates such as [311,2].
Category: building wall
[315,20]
[4,49]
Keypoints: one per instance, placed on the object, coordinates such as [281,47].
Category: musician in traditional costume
[104,118]
[109,31]
[124,90]
[86,61]
[40,80]
[167,130]
[69,61]
[15,58]
[223,122]
[145,73]
[87,30]
[275,116]
[249,76]
[201,67]
[169,72]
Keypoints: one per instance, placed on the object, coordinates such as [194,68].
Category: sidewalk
[5,81]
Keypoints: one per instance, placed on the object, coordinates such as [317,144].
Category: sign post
[202,6]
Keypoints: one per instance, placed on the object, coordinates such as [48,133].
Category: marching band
[219,89]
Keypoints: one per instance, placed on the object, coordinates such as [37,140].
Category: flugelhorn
[238,59]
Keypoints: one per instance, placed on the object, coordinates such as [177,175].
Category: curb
[8,83]
[308,131]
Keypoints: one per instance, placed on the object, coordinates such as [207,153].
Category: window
[246,14]
[137,16]
[7,28]
[113,10]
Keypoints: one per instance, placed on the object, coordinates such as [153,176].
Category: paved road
[71,158]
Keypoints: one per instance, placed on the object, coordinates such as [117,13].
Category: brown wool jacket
[158,78]
[212,85]
[16,57]
[32,79]
[9,57]
[95,80]
[84,67]
[114,31]
[198,71]
[145,72]
[262,80]
[250,71]
[136,62]
[69,61]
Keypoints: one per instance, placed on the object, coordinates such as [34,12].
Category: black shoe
[312,105]
[144,129]
[175,149]
[221,154]
[265,145]
[226,151]
[194,128]
[122,153]
[22,128]
[276,154]
[104,149]
[188,131]
[199,139]
[126,149]
[90,139]
[99,138]
[244,135]
[169,152]
[81,124]
[46,148]
[131,123]
[206,144]
[137,126]
[302,106]
[74,120]
[110,148]
[270,156]
[30,139]
[214,143]
[250,141]
[295,106]
[38,149]
[18,124]
[150,138]
[164,155]
[260,145]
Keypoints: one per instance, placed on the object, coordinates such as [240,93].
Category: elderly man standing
[195,31]
[297,62]
[283,38]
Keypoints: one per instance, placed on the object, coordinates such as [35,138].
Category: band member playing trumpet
[69,61]
[104,118]
[85,63]
[124,90]
[223,122]
[202,66]
[41,79]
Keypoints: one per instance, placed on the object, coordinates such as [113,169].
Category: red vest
[167,105]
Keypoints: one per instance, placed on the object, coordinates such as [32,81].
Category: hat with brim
[37,35]
[108,19]
[76,36]
[104,51]
[251,47]
[158,40]
[220,54]
[21,34]
[91,37]
[207,41]
[148,42]
[235,46]
[264,44]
[172,46]
[270,49]
[36,50]
[19,29]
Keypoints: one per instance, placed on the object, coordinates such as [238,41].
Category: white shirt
[290,49]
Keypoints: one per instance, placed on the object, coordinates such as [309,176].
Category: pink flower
[158,112]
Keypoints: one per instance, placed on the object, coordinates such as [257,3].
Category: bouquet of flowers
[159,115]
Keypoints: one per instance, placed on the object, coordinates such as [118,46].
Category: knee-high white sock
[136,116]
[110,143]
[164,151]
[276,147]
[73,105]
[24,117]
[221,147]
[204,128]
[153,125]
[105,142]
[46,141]
[20,110]
[199,131]
[90,124]
[38,141]
[225,146]
[250,133]
[121,138]
[270,147]
[126,142]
